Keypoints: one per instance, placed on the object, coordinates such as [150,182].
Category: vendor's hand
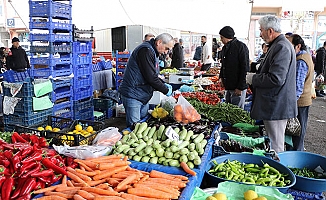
[249,78]
[237,92]
[170,89]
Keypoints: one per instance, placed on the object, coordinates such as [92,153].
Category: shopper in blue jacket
[141,77]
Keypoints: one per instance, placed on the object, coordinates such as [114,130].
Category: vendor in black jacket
[235,65]
[17,59]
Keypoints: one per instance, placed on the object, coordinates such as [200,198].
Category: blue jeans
[298,141]
[231,98]
[135,110]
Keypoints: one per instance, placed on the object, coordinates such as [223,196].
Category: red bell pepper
[18,138]
[28,186]
[47,163]
[7,188]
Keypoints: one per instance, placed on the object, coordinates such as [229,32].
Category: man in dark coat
[235,65]
[17,59]
[177,55]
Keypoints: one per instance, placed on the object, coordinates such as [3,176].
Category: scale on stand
[185,75]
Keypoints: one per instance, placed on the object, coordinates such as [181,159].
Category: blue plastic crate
[84,114]
[96,67]
[25,106]
[62,105]
[57,71]
[12,76]
[58,37]
[46,25]
[51,48]
[105,65]
[82,47]
[62,83]
[82,70]
[82,93]
[27,89]
[49,9]
[82,58]
[300,195]
[83,81]
[83,104]
[59,93]
[51,60]
[9,127]
[31,119]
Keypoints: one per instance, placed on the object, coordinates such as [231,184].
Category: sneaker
[322,92]
[318,94]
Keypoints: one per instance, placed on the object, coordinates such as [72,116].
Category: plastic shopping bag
[184,112]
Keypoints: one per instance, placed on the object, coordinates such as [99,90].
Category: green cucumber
[140,147]
[199,138]
[151,132]
[145,133]
[189,134]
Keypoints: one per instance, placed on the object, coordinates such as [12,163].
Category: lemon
[70,132]
[89,129]
[40,128]
[78,127]
[93,132]
[250,195]
[125,132]
[56,130]
[211,198]
[48,128]
[220,196]
[75,131]
[261,198]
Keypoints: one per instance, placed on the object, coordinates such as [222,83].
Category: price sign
[171,134]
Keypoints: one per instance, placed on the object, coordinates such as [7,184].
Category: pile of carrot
[111,177]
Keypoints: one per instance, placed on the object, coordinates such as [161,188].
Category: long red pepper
[7,188]
[28,186]
[47,163]
[47,172]
[2,179]
[36,156]
[18,137]
[19,185]
[37,169]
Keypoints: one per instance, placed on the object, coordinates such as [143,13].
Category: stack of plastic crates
[24,113]
[51,47]
[121,64]
[105,106]
[82,81]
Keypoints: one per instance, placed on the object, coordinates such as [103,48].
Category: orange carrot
[78,197]
[127,181]
[44,198]
[61,189]
[159,184]
[93,183]
[125,158]
[187,169]
[100,191]
[108,198]
[85,166]
[121,163]
[157,174]
[135,197]
[103,186]
[104,166]
[85,194]
[67,196]
[90,164]
[87,173]
[70,192]
[183,178]
[82,176]
[157,187]
[168,182]
[148,192]
[113,156]
[51,198]
[82,168]
[108,173]
[123,188]
[144,178]
[64,180]
[76,178]
[51,188]
[69,183]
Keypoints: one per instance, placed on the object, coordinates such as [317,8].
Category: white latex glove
[249,78]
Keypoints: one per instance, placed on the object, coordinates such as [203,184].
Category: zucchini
[150,141]
[133,136]
[183,144]
[136,127]
[153,160]
[182,134]
[199,138]
[140,147]
[166,162]
[192,156]
[145,138]
[131,152]
[155,135]
[166,143]
[203,143]
[189,134]
[160,152]
[135,144]
[174,148]
[122,147]
[174,163]
[183,158]
[198,146]
[176,129]
[152,154]
[136,158]
[145,159]
[160,131]
[124,139]
[168,154]
[175,143]
[131,141]
[148,149]
[192,147]
[197,161]
[156,144]
[151,132]
[183,151]
[190,164]
[145,133]
[142,128]
[161,159]
[117,144]
[176,156]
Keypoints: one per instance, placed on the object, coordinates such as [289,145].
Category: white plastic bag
[83,152]
[107,137]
